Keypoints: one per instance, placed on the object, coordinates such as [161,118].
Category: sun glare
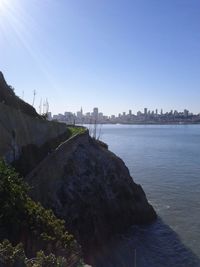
[2,3]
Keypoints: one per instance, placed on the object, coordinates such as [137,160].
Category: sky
[112,54]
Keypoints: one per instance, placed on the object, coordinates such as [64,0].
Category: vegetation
[15,256]
[36,237]
[74,130]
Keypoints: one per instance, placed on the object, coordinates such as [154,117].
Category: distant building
[100,116]
[95,113]
[69,117]
[186,113]
[175,113]
[49,116]
[79,114]
[148,116]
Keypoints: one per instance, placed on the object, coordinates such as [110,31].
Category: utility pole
[44,107]
[47,106]
[40,107]
[34,94]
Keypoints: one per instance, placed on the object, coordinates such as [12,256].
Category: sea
[165,161]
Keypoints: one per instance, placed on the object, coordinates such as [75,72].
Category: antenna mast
[34,94]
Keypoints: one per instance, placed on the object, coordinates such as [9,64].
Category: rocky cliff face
[81,180]
[25,137]
[91,189]
[8,97]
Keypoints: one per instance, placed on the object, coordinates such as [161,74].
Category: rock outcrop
[8,97]
[80,179]
[91,189]
[25,137]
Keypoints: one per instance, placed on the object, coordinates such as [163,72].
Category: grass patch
[74,130]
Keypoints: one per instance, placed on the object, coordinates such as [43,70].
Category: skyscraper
[95,113]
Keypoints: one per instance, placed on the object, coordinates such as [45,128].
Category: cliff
[91,189]
[8,97]
[78,178]
[30,235]
[26,138]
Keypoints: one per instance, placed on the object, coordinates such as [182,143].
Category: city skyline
[127,111]
[109,54]
[141,117]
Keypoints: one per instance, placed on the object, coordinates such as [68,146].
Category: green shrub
[74,130]
[10,255]
[15,256]
[36,229]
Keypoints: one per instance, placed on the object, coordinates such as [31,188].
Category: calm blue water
[165,160]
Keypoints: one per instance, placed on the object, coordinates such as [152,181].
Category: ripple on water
[156,245]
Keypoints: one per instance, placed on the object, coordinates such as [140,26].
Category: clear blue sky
[113,54]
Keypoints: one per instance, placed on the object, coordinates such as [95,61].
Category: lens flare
[3,5]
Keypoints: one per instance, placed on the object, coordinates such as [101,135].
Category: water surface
[165,160]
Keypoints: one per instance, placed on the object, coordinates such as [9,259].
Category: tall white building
[95,113]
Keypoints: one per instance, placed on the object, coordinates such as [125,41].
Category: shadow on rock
[156,245]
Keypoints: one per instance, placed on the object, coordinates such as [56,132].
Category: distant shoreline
[145,123]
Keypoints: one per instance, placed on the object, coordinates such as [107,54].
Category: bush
[74,130]
[31,226]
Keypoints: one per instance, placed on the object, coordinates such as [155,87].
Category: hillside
[26,138]
[32,231]
[74,175]
[8,97]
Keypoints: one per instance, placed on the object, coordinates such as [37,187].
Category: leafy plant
[31,226]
